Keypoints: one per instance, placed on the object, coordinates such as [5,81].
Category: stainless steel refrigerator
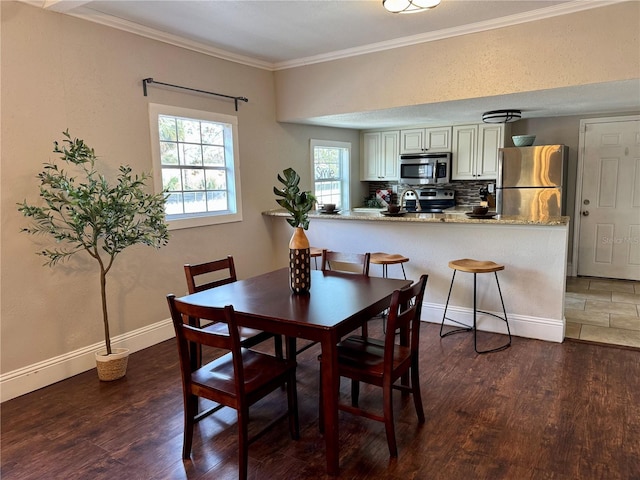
[530,180]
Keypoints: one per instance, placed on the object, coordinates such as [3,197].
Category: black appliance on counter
[431,200]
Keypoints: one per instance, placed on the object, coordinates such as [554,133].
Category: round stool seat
[380,258]
[475,266]
[315,252]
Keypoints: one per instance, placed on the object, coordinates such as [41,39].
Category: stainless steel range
[431,200]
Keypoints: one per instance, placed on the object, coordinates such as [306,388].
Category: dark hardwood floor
[537,410]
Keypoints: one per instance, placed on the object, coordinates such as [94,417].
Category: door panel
[609,242]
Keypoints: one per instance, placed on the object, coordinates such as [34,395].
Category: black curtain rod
[150,80]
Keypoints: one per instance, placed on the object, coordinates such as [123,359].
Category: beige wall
[593,46]
[60,72]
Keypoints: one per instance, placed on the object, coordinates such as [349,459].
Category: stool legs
[466,328]
[385,270]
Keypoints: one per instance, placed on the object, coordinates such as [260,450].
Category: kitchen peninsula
[533,250]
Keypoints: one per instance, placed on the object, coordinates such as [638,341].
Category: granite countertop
[455,215]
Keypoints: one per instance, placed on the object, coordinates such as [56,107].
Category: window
[330,167]
[195,158]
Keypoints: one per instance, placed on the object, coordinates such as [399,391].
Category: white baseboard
[30,378]
[547,329]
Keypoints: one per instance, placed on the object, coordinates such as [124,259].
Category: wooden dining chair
[238,379]
[383,362]
[348,262]
[357,263]
[203,276]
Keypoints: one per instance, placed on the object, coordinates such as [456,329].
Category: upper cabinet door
[390,158]
[490,139]
[419,140]
[464,151]
[474,154]
[370,156]
[412,140]
[380,156]
[438,139]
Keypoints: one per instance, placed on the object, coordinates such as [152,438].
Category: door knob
[585,213]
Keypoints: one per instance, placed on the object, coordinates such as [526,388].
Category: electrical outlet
[491,187]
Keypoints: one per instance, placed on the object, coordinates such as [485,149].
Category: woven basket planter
[114,366]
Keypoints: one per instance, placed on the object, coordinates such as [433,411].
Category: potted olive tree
[86,213]
[298,204]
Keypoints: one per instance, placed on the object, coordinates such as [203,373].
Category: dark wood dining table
[338,303]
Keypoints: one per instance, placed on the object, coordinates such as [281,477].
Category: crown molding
[541,14]
[67,7]
[174,40]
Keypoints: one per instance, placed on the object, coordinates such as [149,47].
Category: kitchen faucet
[402,204]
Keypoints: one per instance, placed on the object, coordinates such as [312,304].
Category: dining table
[337,304]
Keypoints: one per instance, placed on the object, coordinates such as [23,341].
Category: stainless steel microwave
[425,168]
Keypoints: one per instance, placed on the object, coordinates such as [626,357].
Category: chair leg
[355,392]
[292,401]
[387,394]
[415,390]
[277,344]
[190,411]
[320,404]
[243,443]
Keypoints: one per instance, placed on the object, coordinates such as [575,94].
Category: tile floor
[603,310]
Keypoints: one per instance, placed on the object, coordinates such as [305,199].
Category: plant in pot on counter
[298,204]
[88,214]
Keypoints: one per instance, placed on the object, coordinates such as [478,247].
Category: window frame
[345,169]
[232,166]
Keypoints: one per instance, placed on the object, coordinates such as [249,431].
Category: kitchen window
[330,167]
[195,158]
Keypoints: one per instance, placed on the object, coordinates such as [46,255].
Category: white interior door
[609,205]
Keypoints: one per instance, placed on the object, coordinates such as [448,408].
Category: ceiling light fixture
[409,6]
[501,116]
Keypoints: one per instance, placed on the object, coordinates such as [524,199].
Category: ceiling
[273,35]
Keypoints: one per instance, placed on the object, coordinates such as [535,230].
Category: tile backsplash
[467,192]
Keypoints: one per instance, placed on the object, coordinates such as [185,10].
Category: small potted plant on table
[298,204]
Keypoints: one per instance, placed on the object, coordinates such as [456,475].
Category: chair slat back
[208,270]
[346,262]
[188,335]
[404,311]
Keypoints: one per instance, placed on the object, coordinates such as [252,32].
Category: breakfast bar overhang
[533,250]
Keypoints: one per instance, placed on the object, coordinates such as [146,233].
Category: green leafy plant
[89,214]
[373,202]
[297,203]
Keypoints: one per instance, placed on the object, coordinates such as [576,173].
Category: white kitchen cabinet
[474,151]
[380,156]
[419,140]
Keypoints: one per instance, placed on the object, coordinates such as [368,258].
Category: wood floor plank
[537,410]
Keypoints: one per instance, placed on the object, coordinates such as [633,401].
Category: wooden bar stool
[475,267]
[315,252]
[386,259]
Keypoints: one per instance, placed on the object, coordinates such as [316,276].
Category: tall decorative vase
[299,262]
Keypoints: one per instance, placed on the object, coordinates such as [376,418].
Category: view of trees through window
[330,161]
[195,161]
[194,170]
